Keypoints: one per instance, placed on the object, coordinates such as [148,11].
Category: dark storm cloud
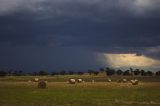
[131,32]
[110,26]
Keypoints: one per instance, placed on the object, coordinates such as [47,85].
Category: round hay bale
[72,81]
[124,80]
[29,81]
[79,80]
[119,81]
[109,80]
[36,79]
[42,84]
[134,82]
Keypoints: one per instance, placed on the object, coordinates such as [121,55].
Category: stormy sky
[79,34]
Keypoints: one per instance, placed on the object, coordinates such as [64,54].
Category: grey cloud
[79,26]
[123,31]
[78,8]
[153,52]
[140,5]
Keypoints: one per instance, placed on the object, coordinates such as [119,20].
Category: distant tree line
[108,71]
[11,73]
[130,72]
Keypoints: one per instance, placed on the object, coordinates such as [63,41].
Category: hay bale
[29,81]
[93,81]
[42,84]
[109,80]
[134,82]
[119,81]
[72,81]
[79,80]
[124,80]
[36,79]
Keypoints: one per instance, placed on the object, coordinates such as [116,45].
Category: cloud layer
[131,60]
[75,7]
[93,26]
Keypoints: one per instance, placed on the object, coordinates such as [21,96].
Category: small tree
[63,72]
[119,72]
[102,70]
[9,72]
[90,72]
[18,73]
[35,73]
[149,73]
[96,72]
[70,72]
[80,73]
[15,73]
[3,73]
[43,73]
[126,72]
[137,72]
[143,73]
[110,71]
[158,73]
[53,73]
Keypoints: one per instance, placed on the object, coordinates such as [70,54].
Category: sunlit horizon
[130,60]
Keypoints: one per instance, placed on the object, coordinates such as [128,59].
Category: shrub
[2,73]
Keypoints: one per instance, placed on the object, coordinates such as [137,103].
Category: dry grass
[60,93]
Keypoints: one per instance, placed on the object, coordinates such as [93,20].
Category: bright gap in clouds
[130,60]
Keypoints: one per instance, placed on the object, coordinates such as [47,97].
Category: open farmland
[17,91]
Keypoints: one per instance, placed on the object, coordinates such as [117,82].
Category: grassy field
[17,91]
